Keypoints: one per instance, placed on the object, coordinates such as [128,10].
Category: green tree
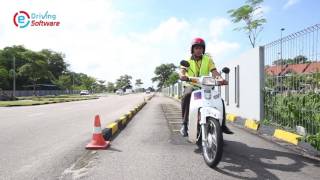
[87,82]
[56,64]
[6,61]
[173,78]
[300,59]
[35,69]
[100,86]
[43,67]
[64,81]
[4,78]
[110,87]
[249,14]
[163,73]
[123,82]
[138,83]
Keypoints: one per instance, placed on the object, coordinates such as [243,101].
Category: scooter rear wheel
[213,147]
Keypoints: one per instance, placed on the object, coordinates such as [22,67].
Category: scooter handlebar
[196,81]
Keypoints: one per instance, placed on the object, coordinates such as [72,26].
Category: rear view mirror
[184,63]
[226,70]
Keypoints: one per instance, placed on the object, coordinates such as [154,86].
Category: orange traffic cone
[97,141]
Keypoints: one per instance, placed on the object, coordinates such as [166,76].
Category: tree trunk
[34,88]
[252,43]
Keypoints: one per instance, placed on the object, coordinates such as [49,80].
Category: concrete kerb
[133,112]
[251,124]
[150,97]
[270,131]
[274,132]
[262,129]
[114,127]
[130,115]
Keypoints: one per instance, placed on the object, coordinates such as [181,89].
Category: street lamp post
[281,60]
[282,29]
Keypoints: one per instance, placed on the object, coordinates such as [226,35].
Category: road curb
[262,129]
[274,132]
[251,124]
[287,136]
[115,127]
[231,117]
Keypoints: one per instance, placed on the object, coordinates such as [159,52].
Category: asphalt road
[150,148]
[41,142]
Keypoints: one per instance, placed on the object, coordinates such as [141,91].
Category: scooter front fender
[210,112]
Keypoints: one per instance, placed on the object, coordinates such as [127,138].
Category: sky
[109,38]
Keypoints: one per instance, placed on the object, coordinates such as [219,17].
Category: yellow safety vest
[203,70]
[195,71]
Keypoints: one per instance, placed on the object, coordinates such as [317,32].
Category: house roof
[293,68]
[313,68]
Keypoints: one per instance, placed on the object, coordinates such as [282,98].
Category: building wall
[250,85]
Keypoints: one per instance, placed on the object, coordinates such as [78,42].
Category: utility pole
[14,76]
[72,82]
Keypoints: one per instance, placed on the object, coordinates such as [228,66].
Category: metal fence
[21,93]
[292,81]
[175,90]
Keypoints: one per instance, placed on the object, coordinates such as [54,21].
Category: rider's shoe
[184,130]
[226,130]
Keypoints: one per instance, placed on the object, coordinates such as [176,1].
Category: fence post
[262,83]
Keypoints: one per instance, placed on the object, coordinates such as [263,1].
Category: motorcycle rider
[201,64]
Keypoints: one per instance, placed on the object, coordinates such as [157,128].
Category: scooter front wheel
[213,147]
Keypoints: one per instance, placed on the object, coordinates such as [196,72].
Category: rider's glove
[223,82]
[184,78]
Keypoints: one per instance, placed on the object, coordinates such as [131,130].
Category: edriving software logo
[23,19]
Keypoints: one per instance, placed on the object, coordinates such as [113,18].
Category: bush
[293,110]
[314,140]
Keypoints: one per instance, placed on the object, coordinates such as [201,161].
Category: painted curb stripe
[120,125]
[114,127]
[251,124]
[287,136]
[129,114]
[123,119]
[231,117]
[128,117]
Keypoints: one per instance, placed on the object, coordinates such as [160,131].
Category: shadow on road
[239,158]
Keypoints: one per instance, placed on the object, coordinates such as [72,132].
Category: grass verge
[31,101]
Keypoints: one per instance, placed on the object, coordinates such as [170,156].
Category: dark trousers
[185,104]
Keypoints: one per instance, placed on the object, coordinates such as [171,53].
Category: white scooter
[206,116]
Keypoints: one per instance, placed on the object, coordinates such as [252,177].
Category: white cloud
[89,38]
[216,46]
[290,3]
[166,31]
[217,26]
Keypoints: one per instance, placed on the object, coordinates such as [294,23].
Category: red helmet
[200,42]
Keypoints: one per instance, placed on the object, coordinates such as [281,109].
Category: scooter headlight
[207,94]
[209,81]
